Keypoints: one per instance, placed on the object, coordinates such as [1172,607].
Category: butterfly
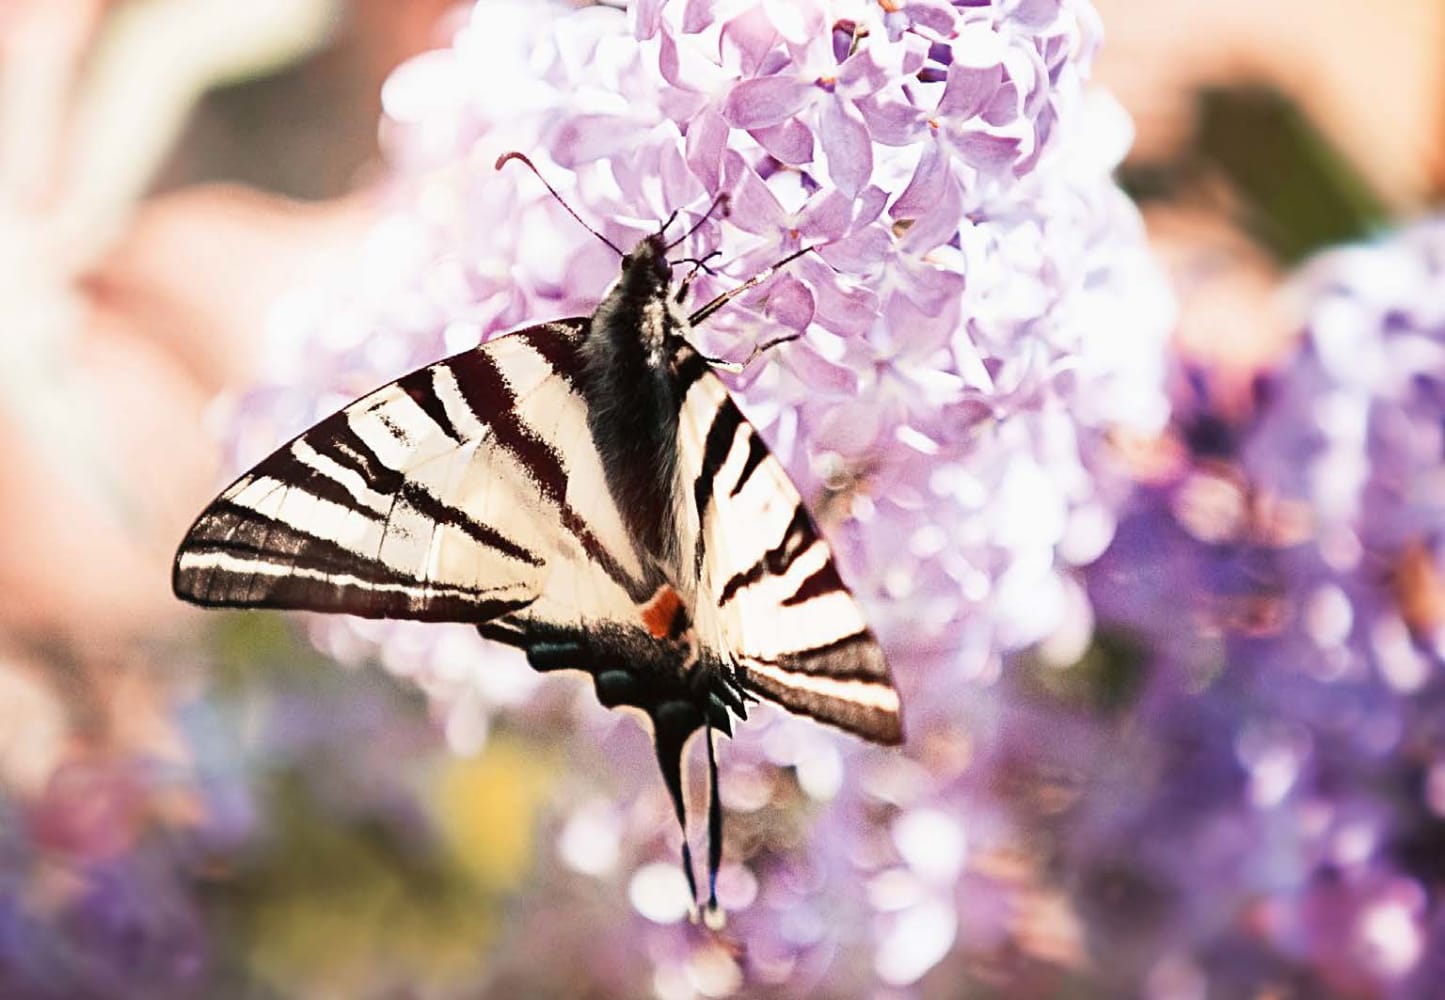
[587,491]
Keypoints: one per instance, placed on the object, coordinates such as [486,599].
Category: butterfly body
[584,490]
[630,357]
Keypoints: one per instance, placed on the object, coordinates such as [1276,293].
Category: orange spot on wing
[659,614]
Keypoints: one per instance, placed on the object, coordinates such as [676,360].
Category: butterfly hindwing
[780,609]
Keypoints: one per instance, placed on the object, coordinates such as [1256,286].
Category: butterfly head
[638,312]
[646,271]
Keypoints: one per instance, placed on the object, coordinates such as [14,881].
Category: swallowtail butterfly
[587,491]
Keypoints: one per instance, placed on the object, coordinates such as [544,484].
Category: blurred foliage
[249,649]
[487,807]
[333,908]
[307,131]
[1300,193]
[1103,681]
[1283,181]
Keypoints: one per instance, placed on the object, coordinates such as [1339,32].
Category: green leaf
[1299,194]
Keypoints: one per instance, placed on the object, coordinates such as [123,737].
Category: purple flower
[1358,416]
[123,928]
[980,313]
[1274,811]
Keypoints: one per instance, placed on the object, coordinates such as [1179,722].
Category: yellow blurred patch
[486,809]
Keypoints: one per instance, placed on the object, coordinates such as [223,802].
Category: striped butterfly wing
[780,611]
[466,491]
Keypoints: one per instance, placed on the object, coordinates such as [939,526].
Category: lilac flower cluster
[980,313]
[1276,813]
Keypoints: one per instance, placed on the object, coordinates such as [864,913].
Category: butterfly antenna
[752,282]
[514,155]
[699,265]
[719,204]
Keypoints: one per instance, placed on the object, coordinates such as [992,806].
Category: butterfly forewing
[458,493]
[777,605]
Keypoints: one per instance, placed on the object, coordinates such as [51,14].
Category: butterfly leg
[737,367]
[699,264]
[753,282]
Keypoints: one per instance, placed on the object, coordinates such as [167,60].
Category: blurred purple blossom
[137,877]
[90,905]
[1354,430]
[1275,811]
[981,314]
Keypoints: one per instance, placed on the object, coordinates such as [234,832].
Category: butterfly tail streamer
[714,823]
[671,736]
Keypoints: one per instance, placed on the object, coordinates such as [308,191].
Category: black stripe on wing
[691,367]
[824,580]
[493,403]
[798,536]
[715,449]
[235,558]
[558,351]
[843,683]
[335,439]
[855,657]
[421,387]
[757,452]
